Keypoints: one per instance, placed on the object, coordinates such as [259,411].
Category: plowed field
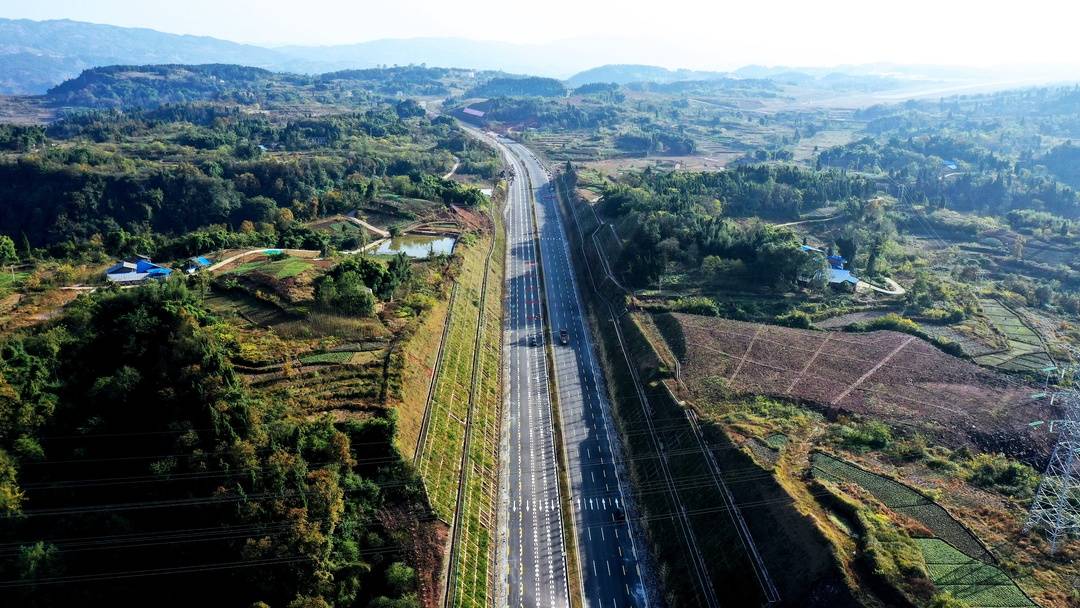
[885,375]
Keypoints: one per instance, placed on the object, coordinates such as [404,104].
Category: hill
[148,86]
[35,55]
[627,73]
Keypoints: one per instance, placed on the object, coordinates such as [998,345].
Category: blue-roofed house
[196,264]
[136,270]
[839,276]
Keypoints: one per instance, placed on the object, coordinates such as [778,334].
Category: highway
[607,552]
[533,557]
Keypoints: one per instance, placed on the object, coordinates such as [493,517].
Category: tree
[39,560]
[877,247]
[285,218]
[1018,247]
[400,578]
[8,256]
[326,294]
[848,244]
[353,296]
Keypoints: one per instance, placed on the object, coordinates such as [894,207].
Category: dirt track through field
[871,371]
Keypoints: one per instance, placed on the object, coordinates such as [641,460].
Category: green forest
[126,433]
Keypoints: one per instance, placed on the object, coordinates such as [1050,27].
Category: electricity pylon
[1056,508]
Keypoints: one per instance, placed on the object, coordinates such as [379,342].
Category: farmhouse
[839,277]
[136,270]
[196,264]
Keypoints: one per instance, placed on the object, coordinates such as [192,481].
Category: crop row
[904,500]
[340,357]
[977,584]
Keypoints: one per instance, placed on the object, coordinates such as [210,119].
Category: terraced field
[1026,351]
[905,500]
[330,383]
[977,584]
[574,146]
[256,312]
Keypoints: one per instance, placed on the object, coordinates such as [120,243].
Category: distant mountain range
[37,55]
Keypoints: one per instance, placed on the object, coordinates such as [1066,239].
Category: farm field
[890,376]
[286,268]
[1026,351]
[902,499]
[573,145]
[977,584]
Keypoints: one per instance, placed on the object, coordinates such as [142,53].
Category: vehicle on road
[564,336]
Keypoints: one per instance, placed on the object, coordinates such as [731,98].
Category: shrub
[891,321]
[861,437]
[999,473]
[947,600]
[796,318]
[894,555]
[698,305]
[909,450]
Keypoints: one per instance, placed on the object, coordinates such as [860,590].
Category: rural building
[839,276]
[196,264]
[473,112]
[136,270]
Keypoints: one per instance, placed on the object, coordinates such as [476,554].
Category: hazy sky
[695,33]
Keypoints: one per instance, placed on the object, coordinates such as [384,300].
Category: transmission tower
[1056,508]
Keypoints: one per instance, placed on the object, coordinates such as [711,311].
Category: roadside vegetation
[474,570]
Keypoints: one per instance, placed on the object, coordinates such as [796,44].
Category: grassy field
[419,352]
[970,581]
[476,541]
[279,269]
[440,458]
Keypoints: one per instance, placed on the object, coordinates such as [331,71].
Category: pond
[417,246]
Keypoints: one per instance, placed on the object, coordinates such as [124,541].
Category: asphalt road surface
[535,558]
[607,555]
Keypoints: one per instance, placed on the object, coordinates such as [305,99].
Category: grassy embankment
[475,542]
[440,457]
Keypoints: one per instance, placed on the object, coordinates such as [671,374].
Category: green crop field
[969,580]
[279,269]
[902,499]
[1026,352]
[328,358]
